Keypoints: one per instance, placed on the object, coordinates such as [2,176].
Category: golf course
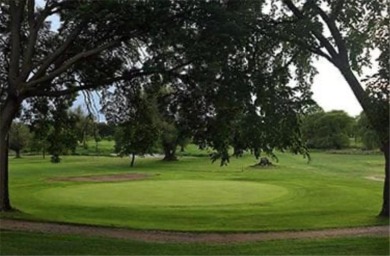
[332,191]
[212,127]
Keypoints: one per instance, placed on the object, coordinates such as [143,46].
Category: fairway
[163,193]
[193,194]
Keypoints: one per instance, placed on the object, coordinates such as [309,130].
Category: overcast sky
[331,91]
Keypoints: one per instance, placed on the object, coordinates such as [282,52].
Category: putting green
[163,193]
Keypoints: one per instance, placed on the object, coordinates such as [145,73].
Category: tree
[169,140]
[366,133]
[355,27]
[106,130]
[19,137]
[330,130]
[173,129]
[85,52]
[39,117]
[85,125]
[138,132]
[63,136]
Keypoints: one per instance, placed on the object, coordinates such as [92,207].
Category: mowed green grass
[164,193]
[194,195]
[23,243]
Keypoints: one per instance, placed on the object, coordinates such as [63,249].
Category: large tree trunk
[361,96]
[357,90]
[385,206]
[7,114]
[5,204]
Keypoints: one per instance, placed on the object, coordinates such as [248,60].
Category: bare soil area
[104,178]
[185,237]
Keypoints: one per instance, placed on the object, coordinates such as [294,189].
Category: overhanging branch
[343,52]
[71,62]
[324,42]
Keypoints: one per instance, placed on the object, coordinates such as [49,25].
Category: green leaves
[330,130]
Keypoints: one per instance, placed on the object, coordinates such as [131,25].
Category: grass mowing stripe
[23,243]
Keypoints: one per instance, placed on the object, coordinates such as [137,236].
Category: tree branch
[16,9]
[303,45]
[34,26]
[30,13]
[336,11]
[42,69]
[328,46]
[343,52]
[71,62]
[40,91]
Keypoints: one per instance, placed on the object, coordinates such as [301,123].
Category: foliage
[174,131]
[98,45]
[85,125]
[378,85]
[62,137]
[330,130]
[137,133]
[366,133]
[19,137]
[106,130]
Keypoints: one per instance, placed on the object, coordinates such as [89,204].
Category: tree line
[157,132]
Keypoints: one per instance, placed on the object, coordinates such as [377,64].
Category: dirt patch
[186,237]
[376,178]
[104,178]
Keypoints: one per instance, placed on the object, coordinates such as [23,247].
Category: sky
[331,91]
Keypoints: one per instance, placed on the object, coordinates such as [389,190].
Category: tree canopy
[330,130]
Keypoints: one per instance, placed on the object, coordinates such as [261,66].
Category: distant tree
[137,129]
[63,136]
[169,140]
[85,125]
[40,123]
[19,137]
[366,133]
[313,109]
[327,130]
[132,140]
[106,130]
[173,132]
